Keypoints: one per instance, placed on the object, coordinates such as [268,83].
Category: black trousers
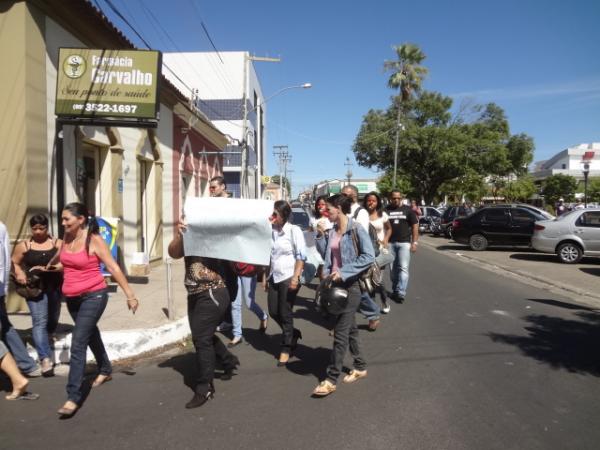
[281,304]
[346,335]
[205,312]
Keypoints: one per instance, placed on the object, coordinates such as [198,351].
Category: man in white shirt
[9,335]
[368,307]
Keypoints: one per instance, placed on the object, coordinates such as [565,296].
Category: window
[521,216]
[495,216]
[589,219]
[564,166]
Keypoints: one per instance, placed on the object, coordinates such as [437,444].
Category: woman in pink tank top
[84,287]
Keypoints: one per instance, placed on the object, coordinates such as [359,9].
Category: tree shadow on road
[561,343]
[560,304]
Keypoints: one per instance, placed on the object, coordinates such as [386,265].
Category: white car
[570,236]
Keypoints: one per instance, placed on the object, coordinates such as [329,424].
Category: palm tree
[407,76]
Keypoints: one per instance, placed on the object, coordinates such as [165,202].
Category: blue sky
[538,60]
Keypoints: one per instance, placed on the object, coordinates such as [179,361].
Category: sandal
[355,375]
[25,395]
[324,388]
[65,411]
[101,379]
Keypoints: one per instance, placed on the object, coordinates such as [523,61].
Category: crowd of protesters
[349,237]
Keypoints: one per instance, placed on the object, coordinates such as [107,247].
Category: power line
[124,19]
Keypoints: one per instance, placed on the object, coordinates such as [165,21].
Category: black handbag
[372,277]
[31,289]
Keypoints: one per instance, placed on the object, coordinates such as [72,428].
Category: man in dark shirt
[402,236]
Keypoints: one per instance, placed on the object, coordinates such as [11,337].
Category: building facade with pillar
[226,88]
[129,174]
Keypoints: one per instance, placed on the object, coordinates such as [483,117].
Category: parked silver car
[570,236]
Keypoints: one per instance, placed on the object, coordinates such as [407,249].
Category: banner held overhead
[107,83]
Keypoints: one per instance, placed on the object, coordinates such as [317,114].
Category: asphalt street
[471,360]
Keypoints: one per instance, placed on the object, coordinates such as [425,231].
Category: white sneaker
[386,309]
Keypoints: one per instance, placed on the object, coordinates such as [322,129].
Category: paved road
[472,360]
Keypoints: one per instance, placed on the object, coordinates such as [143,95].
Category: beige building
[131,174]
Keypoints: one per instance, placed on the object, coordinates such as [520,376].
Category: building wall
[193,164]
[23,160]
[220,87]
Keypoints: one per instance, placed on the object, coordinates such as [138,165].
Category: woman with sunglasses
[45,308]
[288,253]
[347,253]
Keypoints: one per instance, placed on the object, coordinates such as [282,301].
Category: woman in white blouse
[288,253]
[380,221]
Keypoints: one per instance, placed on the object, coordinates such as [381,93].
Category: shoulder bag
[372,277]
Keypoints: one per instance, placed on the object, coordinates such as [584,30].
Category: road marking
[500,312]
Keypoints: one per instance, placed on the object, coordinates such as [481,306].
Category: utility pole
[284,157]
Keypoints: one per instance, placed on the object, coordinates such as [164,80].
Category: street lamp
[586,172]
[244,161]
[349,165]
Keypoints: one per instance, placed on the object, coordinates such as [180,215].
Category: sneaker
[355,375]
[37,372]
[324,388]
[386,308]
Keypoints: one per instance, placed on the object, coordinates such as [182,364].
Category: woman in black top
[45,308]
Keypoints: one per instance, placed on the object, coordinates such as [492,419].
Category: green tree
[594,189]
[436,147]
[385,185]
[407,76]
[286,184]
[556,186]
[470,186]
[519,190]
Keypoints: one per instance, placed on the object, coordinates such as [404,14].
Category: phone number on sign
[106,107]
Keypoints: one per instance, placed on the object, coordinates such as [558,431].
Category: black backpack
[372,232]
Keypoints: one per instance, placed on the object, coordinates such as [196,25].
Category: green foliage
[594,189]
[438,151]
[385,185]
[286,183]
[556,186]
[471,186]
[519,190]
[407,73]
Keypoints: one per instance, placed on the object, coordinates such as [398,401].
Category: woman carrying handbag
[44,307]
[344,262]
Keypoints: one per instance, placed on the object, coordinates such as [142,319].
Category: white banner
[228,228]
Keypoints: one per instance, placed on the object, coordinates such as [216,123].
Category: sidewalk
[580,282]
[125,334]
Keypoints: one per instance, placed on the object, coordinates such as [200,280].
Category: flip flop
[23,396]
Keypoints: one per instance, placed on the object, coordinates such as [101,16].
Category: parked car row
[569,236]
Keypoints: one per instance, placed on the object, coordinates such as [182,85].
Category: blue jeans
[368,307]
[399,272]
[14,342]
[247,293]
[86,311]
[45,311]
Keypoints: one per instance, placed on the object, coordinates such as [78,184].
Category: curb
[565,289]
[121,344]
